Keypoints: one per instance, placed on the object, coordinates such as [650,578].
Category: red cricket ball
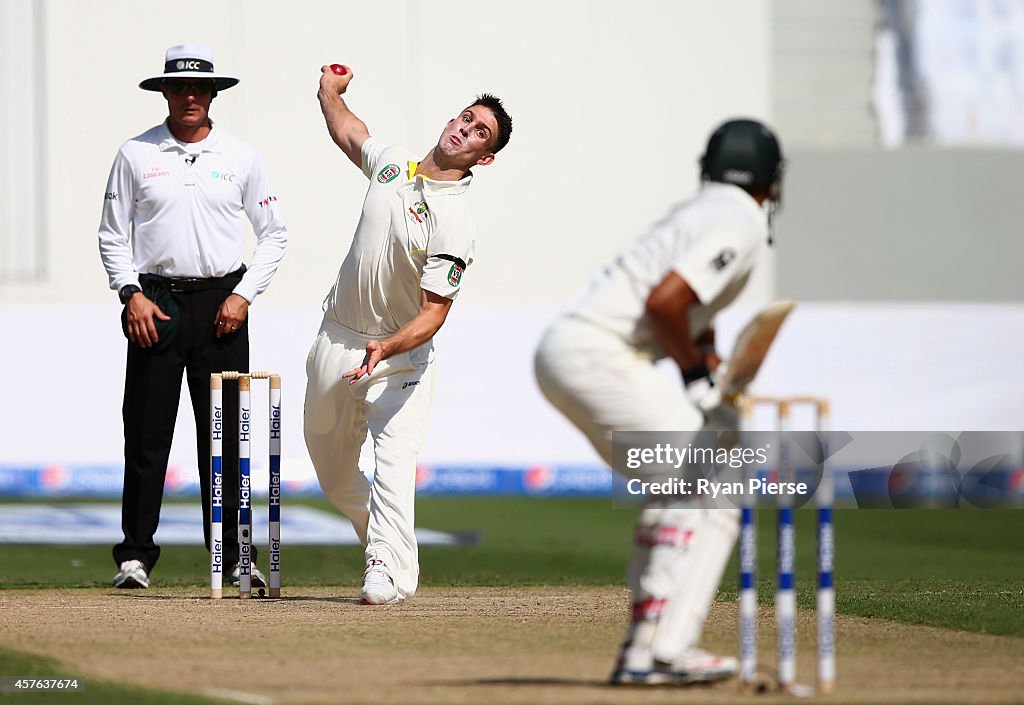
[339,69]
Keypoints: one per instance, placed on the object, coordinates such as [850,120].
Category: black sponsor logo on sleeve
[722,259]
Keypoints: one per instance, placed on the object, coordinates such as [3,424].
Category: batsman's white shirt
[596,362]
[414,233]
[178,209]
[712,241]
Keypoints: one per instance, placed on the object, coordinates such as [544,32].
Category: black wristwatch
[126,292]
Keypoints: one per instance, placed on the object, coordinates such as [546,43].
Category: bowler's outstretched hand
[374,352]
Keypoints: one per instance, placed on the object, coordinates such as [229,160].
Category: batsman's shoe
[652,677]
[256,578]
[132,574]
[378,586]
[635,666]
[696,666]
[705,667]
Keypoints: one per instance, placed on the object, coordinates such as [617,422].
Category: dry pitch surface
[473,645]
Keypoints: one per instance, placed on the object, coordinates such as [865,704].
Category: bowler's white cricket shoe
[132,575]
[378,586]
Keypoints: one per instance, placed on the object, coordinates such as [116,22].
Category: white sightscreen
[22,236]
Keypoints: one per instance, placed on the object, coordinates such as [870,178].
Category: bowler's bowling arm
[347,130]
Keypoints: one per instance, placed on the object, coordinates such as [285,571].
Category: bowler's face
[469,138]
[188,101]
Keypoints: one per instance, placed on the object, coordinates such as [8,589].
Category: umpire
[171,238]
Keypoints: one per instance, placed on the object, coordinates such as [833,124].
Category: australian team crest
[418,209]
[388,173]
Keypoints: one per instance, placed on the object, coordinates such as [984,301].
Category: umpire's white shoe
[132,574]
[378,585]
[256,578]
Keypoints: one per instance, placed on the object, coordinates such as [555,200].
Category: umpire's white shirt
[178,209]
[415,233]
[712,241]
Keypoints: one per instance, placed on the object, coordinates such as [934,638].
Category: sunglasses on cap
[190,88]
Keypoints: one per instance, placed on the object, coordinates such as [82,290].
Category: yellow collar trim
[413,166]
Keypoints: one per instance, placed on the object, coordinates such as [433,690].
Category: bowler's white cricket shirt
[712,241]
[414,233]
[178,209]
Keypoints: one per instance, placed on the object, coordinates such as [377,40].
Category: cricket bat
[752,345]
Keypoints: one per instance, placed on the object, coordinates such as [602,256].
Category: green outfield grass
[948,568]
[955,569]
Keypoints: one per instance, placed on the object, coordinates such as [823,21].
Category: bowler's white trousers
[602,384]
[393,405]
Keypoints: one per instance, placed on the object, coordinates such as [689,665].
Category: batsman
[597,365]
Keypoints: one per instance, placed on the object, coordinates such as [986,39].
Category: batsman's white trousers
[393,405]
[602,385]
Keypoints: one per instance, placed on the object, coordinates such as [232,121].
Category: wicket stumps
[785,595]
[244,484]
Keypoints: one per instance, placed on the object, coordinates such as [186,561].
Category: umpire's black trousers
[152,387]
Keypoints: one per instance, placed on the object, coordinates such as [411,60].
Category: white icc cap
[188,61]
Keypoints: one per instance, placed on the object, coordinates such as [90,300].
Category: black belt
[186,285]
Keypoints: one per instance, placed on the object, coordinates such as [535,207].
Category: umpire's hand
[141,327]
[232,315]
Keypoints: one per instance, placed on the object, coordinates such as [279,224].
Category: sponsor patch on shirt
[388,173]
[455,275]
[722,259]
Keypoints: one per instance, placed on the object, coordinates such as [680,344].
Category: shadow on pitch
[146,596]
[524,682]
[569,683]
